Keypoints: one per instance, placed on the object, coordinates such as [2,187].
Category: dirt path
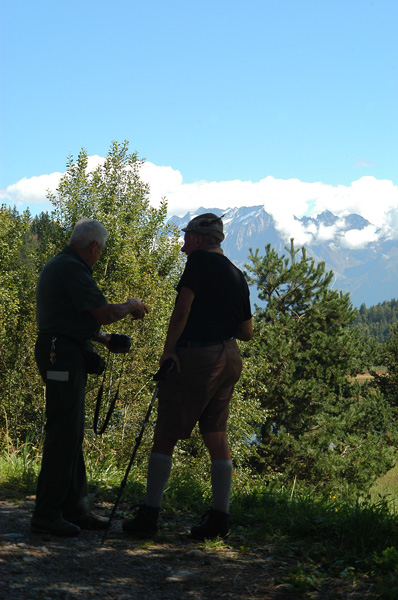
[44,567]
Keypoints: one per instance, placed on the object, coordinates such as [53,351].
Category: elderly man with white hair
[70,310]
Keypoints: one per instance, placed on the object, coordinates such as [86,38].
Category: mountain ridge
[368,271]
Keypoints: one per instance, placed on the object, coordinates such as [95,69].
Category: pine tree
[387,380]
[322,427]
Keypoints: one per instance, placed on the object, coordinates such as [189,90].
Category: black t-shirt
[65,293]
[221,300]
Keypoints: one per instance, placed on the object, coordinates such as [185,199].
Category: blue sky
[222,94]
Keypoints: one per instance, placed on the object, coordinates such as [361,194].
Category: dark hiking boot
[144,524]
[214,524]
[56,526]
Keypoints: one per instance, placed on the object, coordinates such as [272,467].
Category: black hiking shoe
[144,524]
[55,526]
[214,524]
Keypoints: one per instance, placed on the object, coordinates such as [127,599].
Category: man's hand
[174,365]
[178,320]
[115,342]
[137,308]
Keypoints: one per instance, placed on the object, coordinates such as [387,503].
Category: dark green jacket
[65,293]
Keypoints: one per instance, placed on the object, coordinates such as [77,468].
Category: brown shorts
[201,392]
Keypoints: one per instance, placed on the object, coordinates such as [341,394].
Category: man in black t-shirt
[70,310]
[212,309]
[221,298]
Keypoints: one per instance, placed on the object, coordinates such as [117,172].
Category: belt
[201,344]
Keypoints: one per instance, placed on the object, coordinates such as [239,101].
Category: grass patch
[19,467]
[387,486]
[317,541]
[352,528]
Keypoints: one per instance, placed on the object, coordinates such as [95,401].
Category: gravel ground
[44,567]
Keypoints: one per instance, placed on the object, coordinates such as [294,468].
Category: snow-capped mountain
[368,271]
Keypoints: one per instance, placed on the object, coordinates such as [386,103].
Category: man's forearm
[110,313]
[177,324]
[115,312]
[245,331]
[178,319]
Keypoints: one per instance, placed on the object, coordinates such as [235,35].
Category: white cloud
[369,197]
[375,200]
[93,162]
[358,238]
[325,233]
[290,228]
[32,192]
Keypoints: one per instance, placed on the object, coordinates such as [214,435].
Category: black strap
[111,405]
[159,375]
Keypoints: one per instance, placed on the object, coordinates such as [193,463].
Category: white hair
[87,231]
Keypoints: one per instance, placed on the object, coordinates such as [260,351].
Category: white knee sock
[221,478]
[159,468]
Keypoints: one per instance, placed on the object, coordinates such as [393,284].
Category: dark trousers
[62,484]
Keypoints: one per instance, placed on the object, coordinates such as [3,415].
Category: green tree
[387,380]
[48,236]
[377,320]
[322,427]
[141,259]
[21,397]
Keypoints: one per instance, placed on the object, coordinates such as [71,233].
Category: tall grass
[19,467]
[339,536]
[387,487]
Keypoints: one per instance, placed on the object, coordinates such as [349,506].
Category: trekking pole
[159,376]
